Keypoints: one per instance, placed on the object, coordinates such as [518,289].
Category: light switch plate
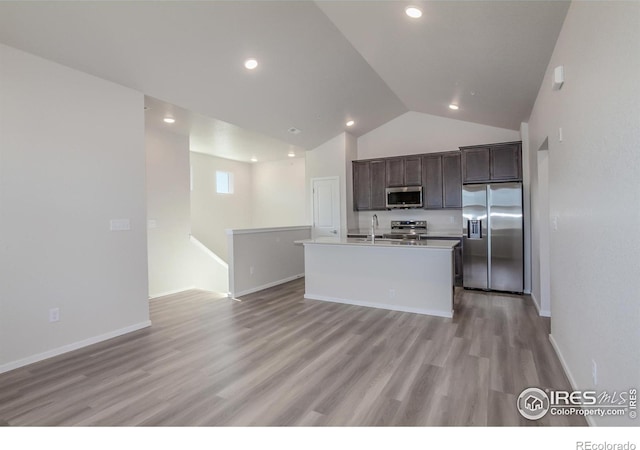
[120,224]
[152,223]
[558,78]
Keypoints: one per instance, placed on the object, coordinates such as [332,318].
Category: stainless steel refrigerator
[493,243]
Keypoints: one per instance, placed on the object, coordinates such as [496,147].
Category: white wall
[262,258]
[208,271]
[71,158]
[169,208]
[351,154]
[278,193]
[415,133]
[526,207]
[176,261]
[213,213]
[331,160]
[594,193]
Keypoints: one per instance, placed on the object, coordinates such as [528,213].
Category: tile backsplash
[437,220]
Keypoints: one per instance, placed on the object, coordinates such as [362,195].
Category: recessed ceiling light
[291,154]
[169,120]
[254,159]
[251,64]
[454,107]
[413,12]
[350,123]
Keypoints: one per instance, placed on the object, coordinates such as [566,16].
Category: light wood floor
[277,359]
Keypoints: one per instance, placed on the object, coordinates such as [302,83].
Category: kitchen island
[410,276]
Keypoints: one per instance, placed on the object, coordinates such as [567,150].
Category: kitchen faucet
[374,224]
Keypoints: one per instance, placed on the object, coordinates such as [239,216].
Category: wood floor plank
[276,359]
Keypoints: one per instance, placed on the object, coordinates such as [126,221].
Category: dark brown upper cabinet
[378,194]
[369,179]
[432,188]
[413,171]
[451,180]
[439,174]
[506,162]
[442,181]
[361,185]
[493,162]
[405,171]
[395,172]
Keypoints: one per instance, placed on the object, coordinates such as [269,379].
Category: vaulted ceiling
[320,63]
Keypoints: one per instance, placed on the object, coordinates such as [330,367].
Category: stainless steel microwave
[404,197]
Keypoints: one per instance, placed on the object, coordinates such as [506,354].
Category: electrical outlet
[392,294]
[594,372]
[54,314]
[251,270]
[554,223]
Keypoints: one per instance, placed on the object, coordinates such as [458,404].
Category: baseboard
[265,286]
[427,312]
[567,372]
[75,346]
[541,312]
[164,294]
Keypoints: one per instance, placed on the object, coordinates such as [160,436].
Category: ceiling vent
[294,130]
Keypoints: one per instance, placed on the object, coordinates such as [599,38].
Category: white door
[326,206]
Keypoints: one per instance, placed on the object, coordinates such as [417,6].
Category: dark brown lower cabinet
[457,264]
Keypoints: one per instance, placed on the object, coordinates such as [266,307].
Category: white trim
[266,230]
[164,294]
[429,312]
[567,372]
[541,312]
[265,286]
[74,346]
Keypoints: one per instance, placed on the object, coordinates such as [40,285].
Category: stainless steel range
[407,230]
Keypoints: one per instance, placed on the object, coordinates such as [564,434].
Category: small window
[224,182]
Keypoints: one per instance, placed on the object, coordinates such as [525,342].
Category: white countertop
[422,244]
[429,233]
